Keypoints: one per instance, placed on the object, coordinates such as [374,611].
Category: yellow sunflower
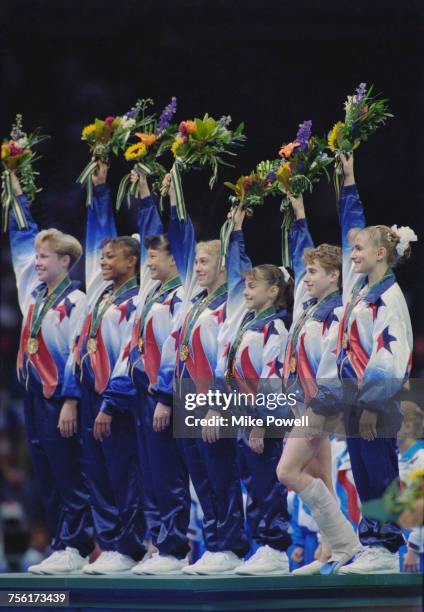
[5,151]
[89,129]
[335,136]
[174,148]
[135,151]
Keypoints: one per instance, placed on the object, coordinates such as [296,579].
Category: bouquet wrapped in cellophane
[156,138]
[107,136]
[303,163]
[364,114]
[396,499]
[201,143]
[17,155]
[248,191]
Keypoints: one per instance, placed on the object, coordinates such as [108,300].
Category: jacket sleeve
[351,213]
[183,246]
[148,224]
[71,386]
[299,240]
[120,390]
[387,367]
[100,225]
[327,400]
[22,245]
[163,390]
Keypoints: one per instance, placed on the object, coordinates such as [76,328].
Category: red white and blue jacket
[48,372]
[116,325]
[375,342]
[310,367]
[201,361]
[260,352]
[149,357]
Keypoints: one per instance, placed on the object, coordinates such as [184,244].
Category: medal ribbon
[39,312]
[197,310]
[302,320]
[244,327]
[154,296]
[98,313]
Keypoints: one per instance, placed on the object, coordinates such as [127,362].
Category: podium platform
[179,593]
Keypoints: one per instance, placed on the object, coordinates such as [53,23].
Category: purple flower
[304,134]
[166,116]
[272,174]
[360,92]
[225,121]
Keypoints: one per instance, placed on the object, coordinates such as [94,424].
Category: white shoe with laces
[219,563]
[161,564]
[265,561]
[373,560]
[67,561]
[192,569]
[137,568]
[110,562]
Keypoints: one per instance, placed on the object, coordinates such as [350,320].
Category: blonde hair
[213,247]
[328,256]
[60,243]
[274,276]
[384,236]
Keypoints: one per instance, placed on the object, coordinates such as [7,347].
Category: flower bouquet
[199,143]
[303,163]
[155,139]
[248,192]
[364,114]
[17,155]
[397,500]
[109,135]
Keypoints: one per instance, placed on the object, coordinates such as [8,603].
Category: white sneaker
[373,560]
[161,564]
[266,560]
[219,563]
[110,562]
[192,569]
[312,569]
[137,568]
[66,561]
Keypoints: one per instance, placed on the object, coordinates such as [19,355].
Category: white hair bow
[406,236]
[286,274]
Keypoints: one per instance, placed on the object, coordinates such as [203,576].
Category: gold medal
[228,375]
[91,345]
[140,344]
[293,365]
[184,352]
[345,342]
[32,346]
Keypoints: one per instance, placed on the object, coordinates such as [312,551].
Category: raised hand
[239,216]
[143,186]
[168,187]
[99,177]
[349,176]
[298,205]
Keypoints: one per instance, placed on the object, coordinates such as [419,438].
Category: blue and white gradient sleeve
[100,225]
[352,217]
[71,385]
[22,245]
[299,240]
[183,246]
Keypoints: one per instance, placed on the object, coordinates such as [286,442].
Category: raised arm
[237,262]
[22,246]
[100,225]
[352,217]
[299,240]
[183,243]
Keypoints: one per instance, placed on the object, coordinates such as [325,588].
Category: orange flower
[147,139]
[287,150]
[190,126]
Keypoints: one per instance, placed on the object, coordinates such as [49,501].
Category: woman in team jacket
[109,440]
[52,306]
[251,360]
[374,353]
[211,462]
[310,370]
[151,360]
